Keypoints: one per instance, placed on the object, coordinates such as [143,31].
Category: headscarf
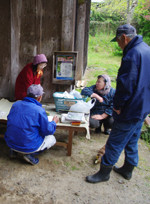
[107,87]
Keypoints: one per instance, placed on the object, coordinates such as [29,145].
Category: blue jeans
[124,135]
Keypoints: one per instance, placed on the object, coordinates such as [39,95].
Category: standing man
[28,129]
[131,105]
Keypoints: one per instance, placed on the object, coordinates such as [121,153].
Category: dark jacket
[99,108]
[27,125]
[133,82]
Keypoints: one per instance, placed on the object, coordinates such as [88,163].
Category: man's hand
[56,119]
[117,111]
[99,98]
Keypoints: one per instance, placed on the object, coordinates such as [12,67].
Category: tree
[131,4]
[142,17]
[113,10]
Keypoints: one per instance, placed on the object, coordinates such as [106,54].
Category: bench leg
[69,146]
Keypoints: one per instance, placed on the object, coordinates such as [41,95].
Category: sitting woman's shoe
[31,159]
[98,130]
[13,154]
[107,132]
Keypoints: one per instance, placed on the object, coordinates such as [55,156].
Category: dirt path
[59,179]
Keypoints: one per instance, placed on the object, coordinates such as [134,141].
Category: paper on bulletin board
[65,67]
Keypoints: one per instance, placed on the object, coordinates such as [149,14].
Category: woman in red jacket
[29,75]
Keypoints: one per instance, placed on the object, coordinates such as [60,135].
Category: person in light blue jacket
[131,105]
[101,113]
[28,129]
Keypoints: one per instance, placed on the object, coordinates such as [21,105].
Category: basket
[63,104]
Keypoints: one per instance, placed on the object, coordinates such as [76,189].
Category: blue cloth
[124,135]
[27,126]
[99,108]
[133,82]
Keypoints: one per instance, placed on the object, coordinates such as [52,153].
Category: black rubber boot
[125,170]
[98,130]
[107,132]
[102,175]
[106,129]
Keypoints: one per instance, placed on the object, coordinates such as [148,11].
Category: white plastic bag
[71,116]
[76,94]
[82,107]
[65,120]
[63,95]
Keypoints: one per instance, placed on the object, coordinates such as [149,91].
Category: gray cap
[35,90]
[126,29]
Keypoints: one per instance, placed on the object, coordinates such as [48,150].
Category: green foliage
[117,50]
[147,40]
[108,15]
[109,11]
[145,135]
[142,19]
[104,27]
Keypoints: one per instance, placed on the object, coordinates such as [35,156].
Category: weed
[74,168]
[67,164]
[56,162]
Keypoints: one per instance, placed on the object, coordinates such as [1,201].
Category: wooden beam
[80,39]
[68,25]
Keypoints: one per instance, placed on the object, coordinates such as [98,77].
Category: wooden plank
[68,25]
[61,144]
[69,148]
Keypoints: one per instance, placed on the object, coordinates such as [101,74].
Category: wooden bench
[71,130]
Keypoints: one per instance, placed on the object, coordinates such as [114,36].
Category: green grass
[102,57]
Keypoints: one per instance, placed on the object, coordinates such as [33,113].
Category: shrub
[145,134]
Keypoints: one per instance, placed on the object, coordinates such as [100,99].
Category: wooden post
[68,25]
[80,39]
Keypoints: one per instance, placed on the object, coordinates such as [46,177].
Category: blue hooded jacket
[133,82]
[27,126]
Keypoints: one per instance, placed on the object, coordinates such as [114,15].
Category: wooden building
[30,27]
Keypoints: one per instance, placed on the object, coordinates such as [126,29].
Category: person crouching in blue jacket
[101,113]
[28,129]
